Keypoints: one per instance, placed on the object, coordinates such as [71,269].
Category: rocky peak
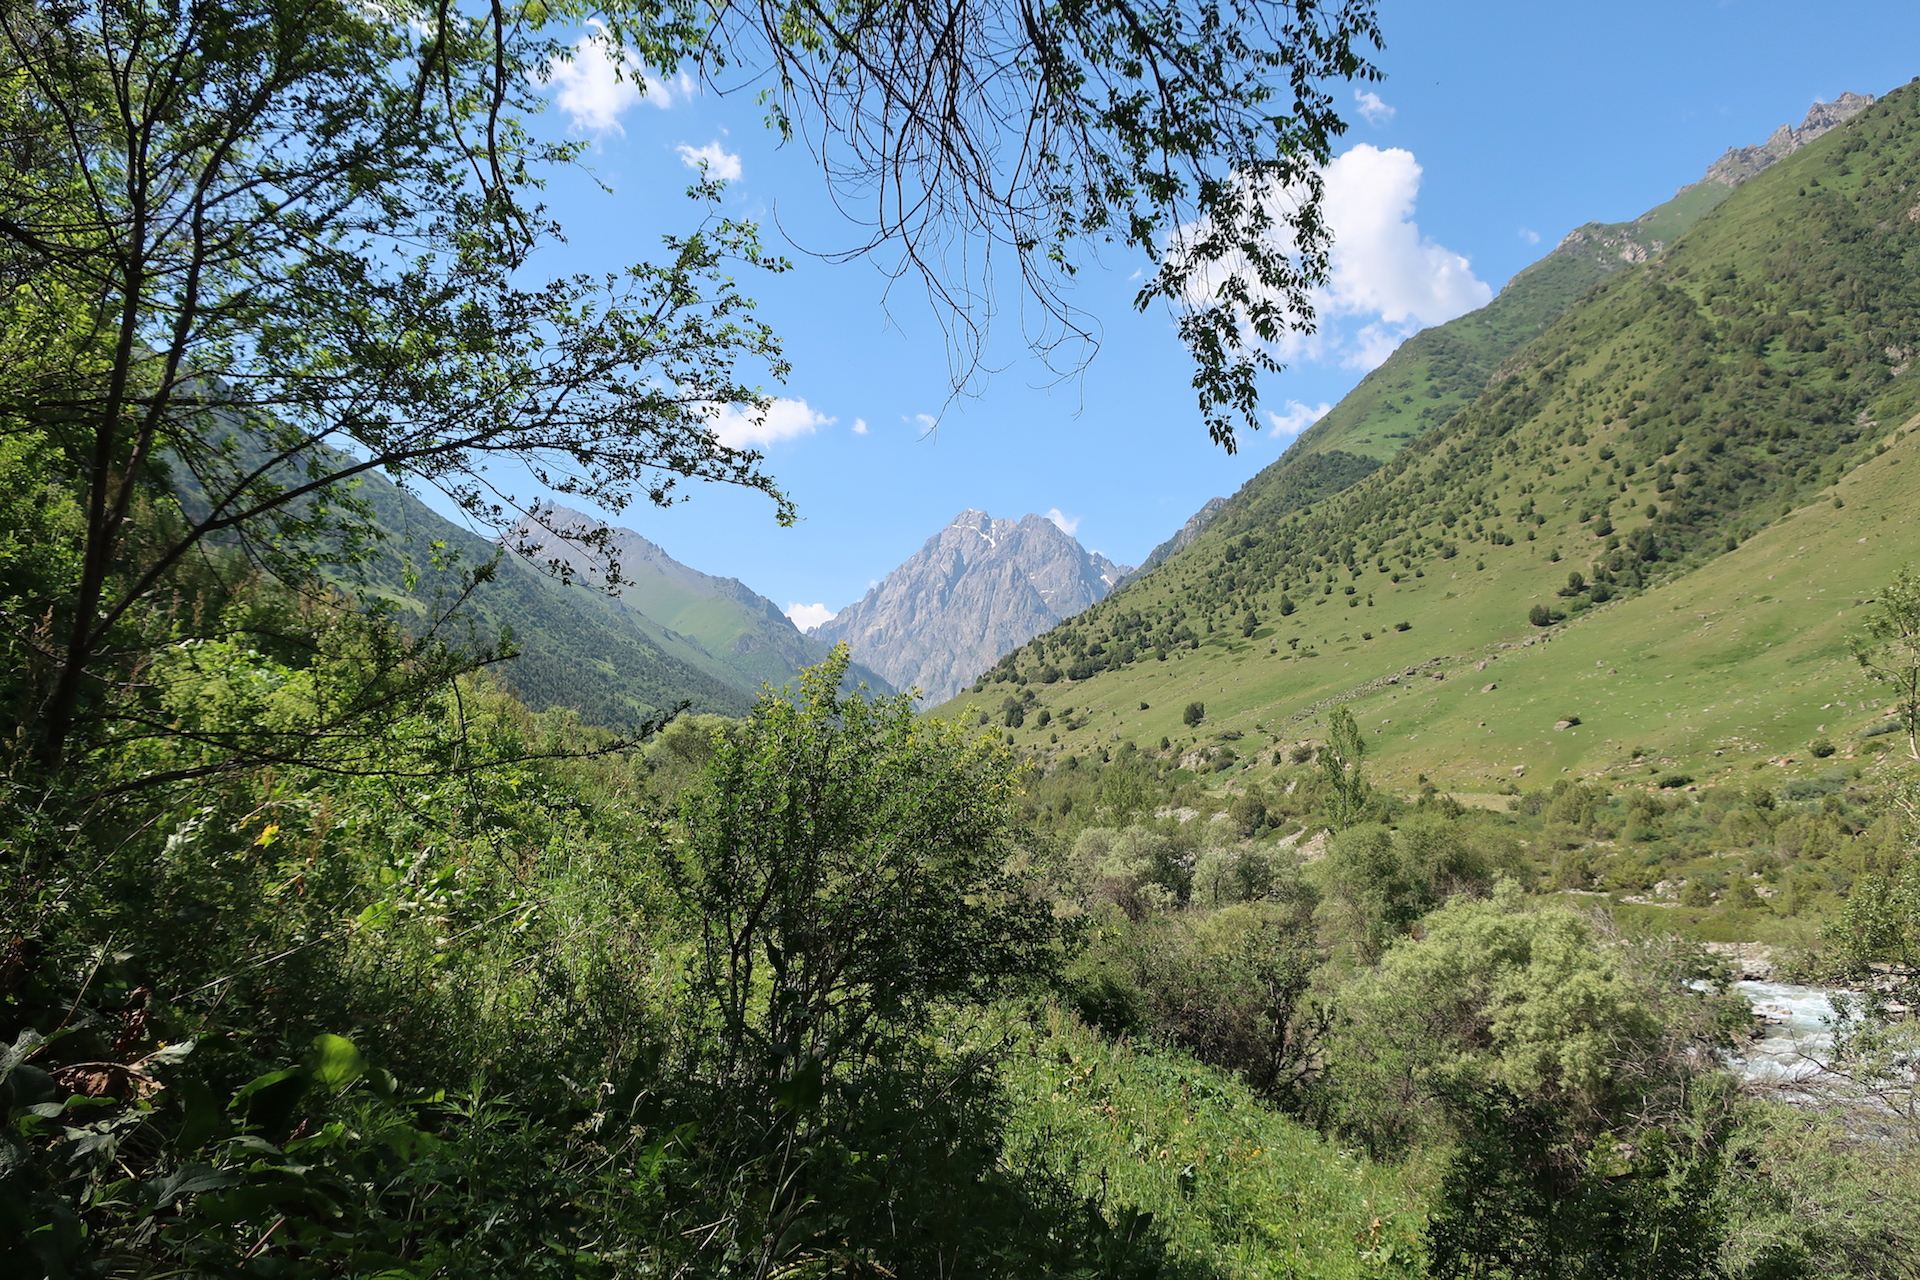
[1614,244]
[1741,163]
[980,587]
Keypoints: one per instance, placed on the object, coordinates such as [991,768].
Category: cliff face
[1741,163]
[978,589]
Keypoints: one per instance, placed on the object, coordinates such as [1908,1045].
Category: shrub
[836,856]
[1248,814]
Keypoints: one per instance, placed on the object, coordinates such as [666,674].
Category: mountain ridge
[1688,404]
[721,624]
[949,611]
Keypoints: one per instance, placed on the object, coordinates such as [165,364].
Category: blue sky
[1499,127]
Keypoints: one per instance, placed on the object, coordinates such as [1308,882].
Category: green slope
[670,635]
[1441,370]
[718,625]
[1438,371]
[1739,663]
[1224,1184]
[1685,405]
[576,646]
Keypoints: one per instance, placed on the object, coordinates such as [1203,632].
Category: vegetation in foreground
[805,993]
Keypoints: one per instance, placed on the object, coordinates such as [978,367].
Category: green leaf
[190,1180]
[334,1062]
[268,1100]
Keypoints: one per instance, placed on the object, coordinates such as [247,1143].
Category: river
[1797,1040]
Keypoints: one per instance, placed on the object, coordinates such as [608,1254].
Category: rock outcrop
[1741,163]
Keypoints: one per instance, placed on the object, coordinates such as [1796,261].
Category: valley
[1480,840]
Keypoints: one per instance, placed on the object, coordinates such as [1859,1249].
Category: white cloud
[744,427]
[1295,418]
[715,159]
[924,421]
[808,616]
[1373,109]
[1062,521]
[1530,235]
[599,83]
[1381,264]
[1385,279]
[859,426]
[1370,346]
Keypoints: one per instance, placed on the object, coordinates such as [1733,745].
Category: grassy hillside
[717,625]
[1712,394]
[1190,1153]
[1740,661]
[1439,371]
[576,646]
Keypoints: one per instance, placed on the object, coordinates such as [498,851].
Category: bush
[1230,986]
[1194,714]
[1248,814]
[843,864]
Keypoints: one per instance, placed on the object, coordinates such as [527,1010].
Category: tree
[303,235]
[1247,812]
[285,245]
[1348,791]
[1191,134]
[1888,650]
[1542,1056]
[1194,714]
[1874,945]
[1372,894]
[844,866]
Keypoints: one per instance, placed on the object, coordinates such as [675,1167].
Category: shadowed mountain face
[978,589]
[718,625]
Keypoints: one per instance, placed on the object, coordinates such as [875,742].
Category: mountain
[718,625]
[1435,373]
[574,646]
[1741,163]
[669,636]
[1629,542]
[1182,536]
[977,588]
